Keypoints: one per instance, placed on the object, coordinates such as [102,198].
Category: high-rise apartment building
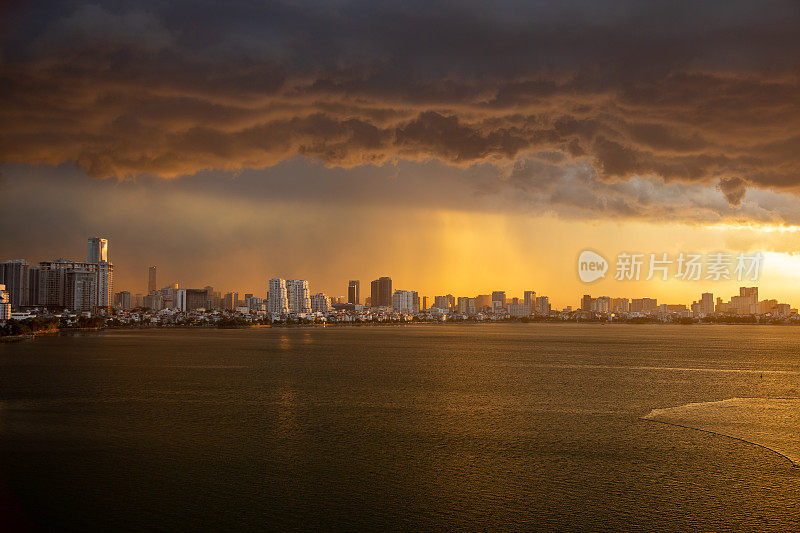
[15,276]
[751,292]
[619,305]
[747,301]
[405,302]
[180,299]
[105,284]
[57,289]
[196,299]
[354,292]
[542,305]
[707,303]
[381,292]
[154,301]
[35,286]
[529,299]
[498,300]
[298,296]
[169,296]
[255,304]
[97,250]
[213,298]
[123,300]
[441,302]
[483,301]
[277,302]
[643,305]
[319,303]
[97,254]
[81,290]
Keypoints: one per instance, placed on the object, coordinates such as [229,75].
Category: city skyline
[628,289]
[89,286]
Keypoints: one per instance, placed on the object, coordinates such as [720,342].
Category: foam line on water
[770,423]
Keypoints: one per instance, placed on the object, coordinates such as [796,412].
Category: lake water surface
[467,427]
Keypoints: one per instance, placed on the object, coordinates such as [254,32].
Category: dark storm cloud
[674,91]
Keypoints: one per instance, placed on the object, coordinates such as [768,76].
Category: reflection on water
[500,427]
[773,423]
[285,344]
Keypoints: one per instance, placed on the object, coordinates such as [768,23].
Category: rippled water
[479,427]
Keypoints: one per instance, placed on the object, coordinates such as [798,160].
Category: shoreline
[68,331]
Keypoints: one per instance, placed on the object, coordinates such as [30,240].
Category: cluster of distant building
[60,283]
[746,303]
[292,297]
[86,287]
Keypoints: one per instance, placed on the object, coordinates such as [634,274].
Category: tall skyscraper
[151,279]
[381,292]
[354,292]
[298,296]
[277,302]
[98,250]
[14,275]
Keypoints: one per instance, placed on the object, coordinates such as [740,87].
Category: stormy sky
[315,139]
